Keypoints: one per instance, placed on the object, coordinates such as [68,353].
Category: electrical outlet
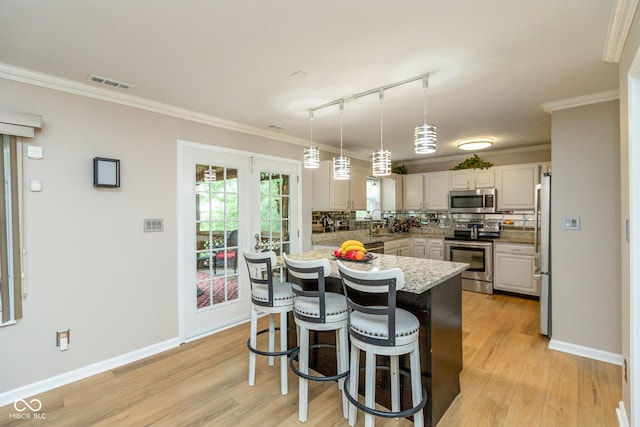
[63,338]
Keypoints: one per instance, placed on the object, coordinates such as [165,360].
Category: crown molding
[619,26]
[9,72]
[580,101]
[527,149]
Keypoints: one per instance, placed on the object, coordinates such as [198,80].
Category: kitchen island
[432,292]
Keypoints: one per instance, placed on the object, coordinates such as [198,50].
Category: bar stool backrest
[307,279]
[359,285]
[260,266]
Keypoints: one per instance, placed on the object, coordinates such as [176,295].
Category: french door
[229,201]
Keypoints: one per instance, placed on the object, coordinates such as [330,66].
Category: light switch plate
[35,185]
[34,152]
[571,223]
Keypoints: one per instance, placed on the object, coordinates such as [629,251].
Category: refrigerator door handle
[538,189]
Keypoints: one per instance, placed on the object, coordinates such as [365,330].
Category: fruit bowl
[367,257]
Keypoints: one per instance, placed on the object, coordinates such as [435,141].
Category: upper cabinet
[339,195]
[436,191]
[391,193]
[469,179]
[413,189]
[358,189]
[515,186]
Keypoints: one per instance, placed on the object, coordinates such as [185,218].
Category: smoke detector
[109,82]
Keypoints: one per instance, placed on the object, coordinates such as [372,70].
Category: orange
[359,255]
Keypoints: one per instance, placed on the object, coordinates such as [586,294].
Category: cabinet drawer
[515,249]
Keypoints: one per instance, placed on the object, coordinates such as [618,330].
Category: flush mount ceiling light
[341,164]
[381,159]
[475,144]
[425,135]
[311,153]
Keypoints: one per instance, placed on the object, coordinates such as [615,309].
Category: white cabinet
[435,248]
[419,247]
[339,195]
[400,247]
[514,268]
[358,189]
[413,189]
[515,186]
[469,179]
[436,191]
[391,192]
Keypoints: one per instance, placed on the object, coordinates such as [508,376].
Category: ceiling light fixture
[475,143]
[381,159]
[311,153]
[341,164]
[425,135]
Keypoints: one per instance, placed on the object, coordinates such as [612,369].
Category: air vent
[109,82]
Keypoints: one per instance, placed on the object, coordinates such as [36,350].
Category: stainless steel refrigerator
[543,249]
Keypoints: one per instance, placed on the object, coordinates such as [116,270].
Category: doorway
[229,201]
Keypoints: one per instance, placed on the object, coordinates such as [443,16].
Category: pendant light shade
[341,164]
[311,154]
[381,159]
[425,135]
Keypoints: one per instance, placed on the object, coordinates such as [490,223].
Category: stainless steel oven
[479,255]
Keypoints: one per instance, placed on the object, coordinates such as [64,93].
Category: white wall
[90,267]
[586,263]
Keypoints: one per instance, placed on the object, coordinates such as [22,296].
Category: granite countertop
[420,274]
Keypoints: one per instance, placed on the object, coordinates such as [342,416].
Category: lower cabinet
[427,247]
[400,247]
[514,268]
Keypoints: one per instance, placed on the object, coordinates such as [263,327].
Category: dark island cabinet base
[440,313]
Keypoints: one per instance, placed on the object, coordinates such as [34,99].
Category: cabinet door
[461,179]
[404,247]
[338,194]
[436,191]
[413,186]
[514,267]
[418,247]
[391,193]
[485,178]
[435,249]
[516,186]
[358,189]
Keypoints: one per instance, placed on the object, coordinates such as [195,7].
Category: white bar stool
[273,298]
[381,329]
[315,309]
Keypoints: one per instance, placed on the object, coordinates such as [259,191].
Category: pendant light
[341,164]
[425,135]
[381,159]
[311,153]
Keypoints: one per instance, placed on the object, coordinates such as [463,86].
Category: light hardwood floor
[510,378]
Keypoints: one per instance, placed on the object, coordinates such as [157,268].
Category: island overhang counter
[433,293]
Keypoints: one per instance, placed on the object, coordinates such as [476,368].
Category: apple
[351,254]
[337,253]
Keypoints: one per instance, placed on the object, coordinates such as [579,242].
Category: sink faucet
[373,222]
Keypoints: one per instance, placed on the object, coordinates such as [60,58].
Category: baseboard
[621,412]
[588,352]
[33,389]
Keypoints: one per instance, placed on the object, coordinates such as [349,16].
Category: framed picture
[106,172]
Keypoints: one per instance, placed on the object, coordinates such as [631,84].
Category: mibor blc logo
[27,410]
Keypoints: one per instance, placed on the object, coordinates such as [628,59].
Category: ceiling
[491,64]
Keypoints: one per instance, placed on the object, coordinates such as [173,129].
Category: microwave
[482,200]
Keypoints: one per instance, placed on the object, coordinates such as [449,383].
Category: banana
[350,243]
[354,248]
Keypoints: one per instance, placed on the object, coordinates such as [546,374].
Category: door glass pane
[274,212]
[216,235]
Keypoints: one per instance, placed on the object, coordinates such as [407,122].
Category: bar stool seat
[274,298]
[315,309]
[380,328]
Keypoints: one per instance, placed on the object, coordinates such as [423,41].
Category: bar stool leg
[284,386]
[253,338]
[303,383]
[370,387]
[272,332]
[395,383]
[416,385]
[354,377]
[342,358]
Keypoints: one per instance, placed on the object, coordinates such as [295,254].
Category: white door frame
[296,223]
